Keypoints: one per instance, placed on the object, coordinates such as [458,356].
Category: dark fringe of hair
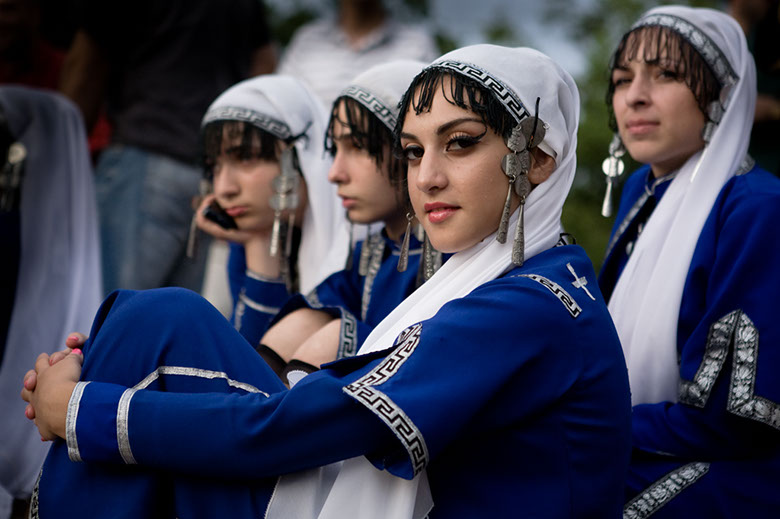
[367,132]
[464,92]
[255,143]
[692,69]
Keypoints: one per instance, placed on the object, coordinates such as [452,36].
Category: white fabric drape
[526,74]
[645,304]
[59,287]
[262,101]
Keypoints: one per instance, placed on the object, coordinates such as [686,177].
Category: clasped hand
[47,388]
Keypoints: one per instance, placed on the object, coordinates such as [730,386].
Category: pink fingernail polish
[77,351]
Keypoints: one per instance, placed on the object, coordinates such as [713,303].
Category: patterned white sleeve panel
[365,391]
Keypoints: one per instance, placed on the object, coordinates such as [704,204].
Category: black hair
[464,92]
[367,132]
[255,143]
[656,42]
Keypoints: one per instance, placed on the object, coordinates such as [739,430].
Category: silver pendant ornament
[612,167]
[524,137]
[403,257]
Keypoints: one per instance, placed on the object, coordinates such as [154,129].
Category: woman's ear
[542,166]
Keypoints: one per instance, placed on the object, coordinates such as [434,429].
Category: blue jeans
[145,208]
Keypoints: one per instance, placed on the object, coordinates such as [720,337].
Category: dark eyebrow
[446,126]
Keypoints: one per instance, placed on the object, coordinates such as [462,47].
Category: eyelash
[464,140]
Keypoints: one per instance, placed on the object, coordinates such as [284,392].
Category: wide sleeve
[729,401]
[248,435]
[256,298]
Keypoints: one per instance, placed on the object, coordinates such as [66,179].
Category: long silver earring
[285,199]
[516,165]
[348,265]
[403,258]
[431,260]
[714,115]
[365,254]
[612,167]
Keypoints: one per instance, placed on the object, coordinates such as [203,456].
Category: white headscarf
[645,304]
[284,107]
[517,76]
[59,287]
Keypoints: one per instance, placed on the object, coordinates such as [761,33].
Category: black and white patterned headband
[275,127]
[374,104]
[699,40]
[505,95]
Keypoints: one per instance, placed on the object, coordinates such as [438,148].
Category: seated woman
[334,319]
[509,346]
[693,253]
[260,137]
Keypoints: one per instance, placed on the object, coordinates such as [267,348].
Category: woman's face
[657,115]
[242,186]
[363,187]
[456,184]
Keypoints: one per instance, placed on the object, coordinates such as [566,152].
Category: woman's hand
[47,390]
[214,229]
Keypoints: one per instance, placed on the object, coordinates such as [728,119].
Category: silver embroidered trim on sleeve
[251,274]
[377,244]
[743,400]
[563,296]
[122,426]
[373,103]
[275,127]
[347,336]
[664,490]
[254,305]
[697,391]
[195,372]
[364,390]
[71,417]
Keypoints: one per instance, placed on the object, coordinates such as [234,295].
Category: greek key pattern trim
[664,490]
[72,415]
[122,426]
[195,372]
[347,335]
[563,296]
[721,334]
[742,398]
[377,254]
[364,391]
[373,103]
[701,42]
[504,94]
[273,126]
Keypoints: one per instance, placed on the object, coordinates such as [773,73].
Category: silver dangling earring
[285,198]
[612,167]
[403,258]
[348,265]
[365,254]
[431,260]
[516,165]
[714,115]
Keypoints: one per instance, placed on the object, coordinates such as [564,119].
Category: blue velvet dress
[514,398]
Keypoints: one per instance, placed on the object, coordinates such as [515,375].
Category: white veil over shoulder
[645,304]
[59,287]
[518,76]
[284,107]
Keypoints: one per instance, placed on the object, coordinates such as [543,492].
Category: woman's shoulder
[755,194]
